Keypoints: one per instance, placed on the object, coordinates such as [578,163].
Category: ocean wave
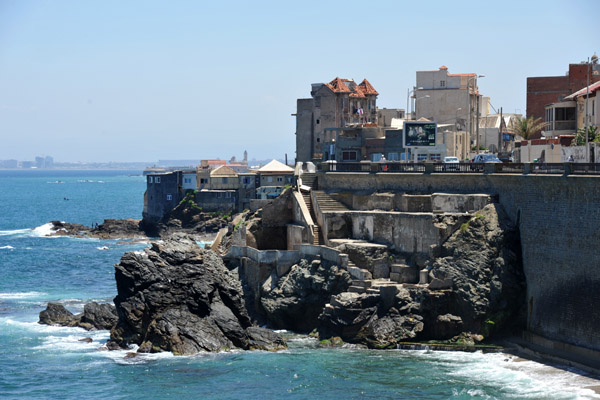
[15,232]
[6,247]
[20,295]
[43,230]
[528,379]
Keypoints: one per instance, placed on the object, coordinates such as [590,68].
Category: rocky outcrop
[109,229]
[295,300]
[94,317]
[477,286]
[178,297]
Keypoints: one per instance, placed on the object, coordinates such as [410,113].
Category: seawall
[559,220]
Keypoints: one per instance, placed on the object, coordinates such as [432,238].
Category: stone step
[403,273]
[356,289]
[359,273]
[365,284]
[372,290]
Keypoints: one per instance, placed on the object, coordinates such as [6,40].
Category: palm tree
[527,127]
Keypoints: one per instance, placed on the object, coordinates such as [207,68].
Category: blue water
[42,362]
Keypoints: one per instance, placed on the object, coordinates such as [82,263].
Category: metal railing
[464,168]
[585,169]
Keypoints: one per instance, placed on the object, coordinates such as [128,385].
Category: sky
[104,80]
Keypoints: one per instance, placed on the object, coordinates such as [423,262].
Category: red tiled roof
[367,87]
[358,92]
[582,92]
[338,86]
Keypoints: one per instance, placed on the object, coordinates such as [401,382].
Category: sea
[47,362]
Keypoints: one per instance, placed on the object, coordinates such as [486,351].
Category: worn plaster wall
[559,221]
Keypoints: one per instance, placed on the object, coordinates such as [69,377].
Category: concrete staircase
[328,203]
[318,237]
[310,179]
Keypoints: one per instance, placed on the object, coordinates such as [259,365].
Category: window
[228,195]
[376,157]
[187,180]
[348,156]
[219,195]
[246,180]
[279,179]
[318,140]
[157,179]
[150,179]
[203,180]
[270,179]
[436,157]
[169,197]
[421,157]
[318,121]
[442,83]
[223,180]
[393,156]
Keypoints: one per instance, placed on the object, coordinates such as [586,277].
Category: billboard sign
[419,133]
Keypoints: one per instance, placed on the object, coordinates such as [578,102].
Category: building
[273,177]
[495,132]
[163,192]
[544,90]
[340,103]
[449,99]
[386,115]
[587,106]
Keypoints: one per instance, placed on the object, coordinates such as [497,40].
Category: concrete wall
[559,221]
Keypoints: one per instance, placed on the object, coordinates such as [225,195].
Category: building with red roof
[341,103]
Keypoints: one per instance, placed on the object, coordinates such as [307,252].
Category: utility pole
[477,123]
[587,100]
[500,132]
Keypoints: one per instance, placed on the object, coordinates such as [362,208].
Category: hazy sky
[146,80]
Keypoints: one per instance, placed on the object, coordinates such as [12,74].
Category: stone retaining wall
[559,221]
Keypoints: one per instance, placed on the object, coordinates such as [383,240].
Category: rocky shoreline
[175,296]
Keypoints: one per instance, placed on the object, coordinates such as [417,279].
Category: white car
[451,163]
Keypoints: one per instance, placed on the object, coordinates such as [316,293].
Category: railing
[399,167]
[547,168]
[458,167]
[464,168]
[585,169]
[509,168]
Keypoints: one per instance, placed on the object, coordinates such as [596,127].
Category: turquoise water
[42,362]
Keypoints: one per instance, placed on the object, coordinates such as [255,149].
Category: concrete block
[423,277]
[364,284]
[387,294]
[381,270]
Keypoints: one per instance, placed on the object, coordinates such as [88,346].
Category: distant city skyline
[102,81]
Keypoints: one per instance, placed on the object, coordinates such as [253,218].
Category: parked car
[506,157]
[480,159]
[451,163]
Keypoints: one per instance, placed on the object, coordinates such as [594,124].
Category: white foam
[20,295]
[102,248]
[15,232]
[527,379]
[43,230]
[6,247]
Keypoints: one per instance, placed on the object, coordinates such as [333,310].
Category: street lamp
[408,92]
[469,104]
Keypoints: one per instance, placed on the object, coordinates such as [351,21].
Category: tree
[593,136]
[527,127]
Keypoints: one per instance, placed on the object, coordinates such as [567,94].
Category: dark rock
[477,287]
[86,340]
[181,298]
[57,314]
[111,345]
[94,317]
[295,300]
[99,316]
[109,229]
